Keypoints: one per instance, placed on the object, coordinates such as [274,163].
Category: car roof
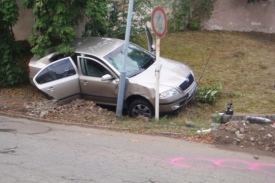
[98,46]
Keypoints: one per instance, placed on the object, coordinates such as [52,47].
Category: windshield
[137,60]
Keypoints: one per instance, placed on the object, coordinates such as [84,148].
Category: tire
[141,107]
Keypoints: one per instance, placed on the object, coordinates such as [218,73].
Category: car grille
[188,82]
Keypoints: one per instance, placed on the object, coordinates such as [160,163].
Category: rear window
[57,57]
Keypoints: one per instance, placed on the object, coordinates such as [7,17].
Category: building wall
[23,27]
[237,15]
[232,15]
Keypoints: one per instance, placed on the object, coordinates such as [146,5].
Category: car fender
[135,89]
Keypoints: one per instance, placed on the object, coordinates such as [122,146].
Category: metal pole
[122,80]
[157,78]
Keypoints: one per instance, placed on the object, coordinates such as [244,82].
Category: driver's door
[59,80]
[92,83]
[150,41]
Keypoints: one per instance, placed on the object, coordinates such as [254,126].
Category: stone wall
[237,15]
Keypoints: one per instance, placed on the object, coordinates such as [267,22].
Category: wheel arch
[131,98]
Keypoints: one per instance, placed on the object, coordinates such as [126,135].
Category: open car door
[59,80]
[150,40]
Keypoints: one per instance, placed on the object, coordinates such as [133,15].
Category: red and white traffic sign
[159,26]
[159,22]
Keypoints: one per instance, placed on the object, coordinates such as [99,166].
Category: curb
[223,118]
[86,125]
[61,123]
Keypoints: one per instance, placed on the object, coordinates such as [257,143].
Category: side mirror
[150,41]
[153,48]
[106,77]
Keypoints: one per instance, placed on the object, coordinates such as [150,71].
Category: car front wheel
[141,107]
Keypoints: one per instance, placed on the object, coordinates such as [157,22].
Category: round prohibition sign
[159,22]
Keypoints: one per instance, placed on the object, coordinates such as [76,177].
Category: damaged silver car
[93,72]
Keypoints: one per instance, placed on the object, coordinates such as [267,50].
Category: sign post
[159,26]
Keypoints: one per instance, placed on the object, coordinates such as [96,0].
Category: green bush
[186,13]
[209,94]
[55,20]
[12,69]
[194,25]
[110,21]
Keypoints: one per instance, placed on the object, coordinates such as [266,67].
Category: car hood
[172,74]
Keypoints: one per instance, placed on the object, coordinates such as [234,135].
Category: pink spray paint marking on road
[205,163]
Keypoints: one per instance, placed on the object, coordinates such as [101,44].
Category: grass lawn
[243,63]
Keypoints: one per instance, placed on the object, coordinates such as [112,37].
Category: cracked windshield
[137,60]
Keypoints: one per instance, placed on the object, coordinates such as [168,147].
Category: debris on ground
[78,111]
[207,131]
[246,134]
[256,119]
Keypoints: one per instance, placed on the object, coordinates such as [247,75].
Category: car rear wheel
[141,107]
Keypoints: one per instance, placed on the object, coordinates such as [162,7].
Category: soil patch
[244,135]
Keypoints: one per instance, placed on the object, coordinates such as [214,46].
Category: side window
[44,77]
[92,68]
[58,70]
[61,56]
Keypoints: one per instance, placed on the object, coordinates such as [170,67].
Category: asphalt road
[36,152]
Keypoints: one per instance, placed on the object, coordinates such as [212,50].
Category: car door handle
[50,89]
[84,82]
